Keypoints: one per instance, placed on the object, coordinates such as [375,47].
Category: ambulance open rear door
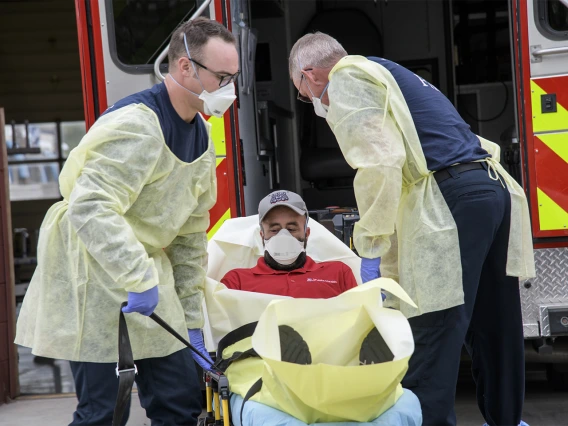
[123,45]
[540,44]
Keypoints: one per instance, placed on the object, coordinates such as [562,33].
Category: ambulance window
[140,29]
[557,16]
[552,19]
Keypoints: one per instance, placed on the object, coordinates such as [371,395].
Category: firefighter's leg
[433,367]
[477,205]
[495,338]
[169,389]
[97,388]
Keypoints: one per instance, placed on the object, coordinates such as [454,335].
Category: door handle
[538,52]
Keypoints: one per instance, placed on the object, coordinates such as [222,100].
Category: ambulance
[503,63]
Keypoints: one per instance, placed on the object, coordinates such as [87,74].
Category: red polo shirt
[312,281]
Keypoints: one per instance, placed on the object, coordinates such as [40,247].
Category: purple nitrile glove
[370,269]
[143,303]
[196,339]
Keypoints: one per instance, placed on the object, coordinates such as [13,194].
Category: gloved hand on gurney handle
[196,339]
[370,270]
[143,303]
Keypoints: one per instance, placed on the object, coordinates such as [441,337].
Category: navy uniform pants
[168,388]
[489,324]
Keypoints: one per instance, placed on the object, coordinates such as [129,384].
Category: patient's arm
[232,280]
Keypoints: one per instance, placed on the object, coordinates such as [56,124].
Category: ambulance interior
[462,47]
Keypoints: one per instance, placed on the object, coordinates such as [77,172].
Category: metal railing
[164,53]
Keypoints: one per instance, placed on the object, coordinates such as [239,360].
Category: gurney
[320,369]
[405,411]
[237,244]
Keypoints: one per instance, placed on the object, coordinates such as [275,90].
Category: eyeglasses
[223,79]
[301,97]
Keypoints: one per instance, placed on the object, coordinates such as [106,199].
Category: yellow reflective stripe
[558,142]
[551,215]
[214,229]
[218,135]
[550,121]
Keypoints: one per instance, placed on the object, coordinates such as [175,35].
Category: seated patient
[285,269]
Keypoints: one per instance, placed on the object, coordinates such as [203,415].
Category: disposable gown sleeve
[371,143]
[114,173]
[188,253]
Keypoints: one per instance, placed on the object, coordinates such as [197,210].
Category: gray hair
[314,50]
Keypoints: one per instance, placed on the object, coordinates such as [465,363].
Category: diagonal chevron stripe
[552,182]
[217,225]
[218,135]
[556,85]
[558,142]
[219,210]
[551,215]
[547,122]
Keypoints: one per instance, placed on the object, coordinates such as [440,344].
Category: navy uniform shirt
[445,137]
[188,141]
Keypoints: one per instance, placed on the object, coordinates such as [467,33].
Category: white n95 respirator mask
[319,108]
[218,102]
[215,103]
[284,248]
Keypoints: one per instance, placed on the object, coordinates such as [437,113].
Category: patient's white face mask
[283,247]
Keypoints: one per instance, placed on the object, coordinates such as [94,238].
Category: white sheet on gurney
[406,412]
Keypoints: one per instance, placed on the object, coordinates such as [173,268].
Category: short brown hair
[198,32]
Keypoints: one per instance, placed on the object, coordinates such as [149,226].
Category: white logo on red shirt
[321,281]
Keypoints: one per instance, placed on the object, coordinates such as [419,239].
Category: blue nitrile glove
[196,339]
[370,269]
[143,303]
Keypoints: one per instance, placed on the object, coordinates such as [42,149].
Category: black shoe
[43,360]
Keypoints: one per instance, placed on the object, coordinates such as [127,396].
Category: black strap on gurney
[126,369]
